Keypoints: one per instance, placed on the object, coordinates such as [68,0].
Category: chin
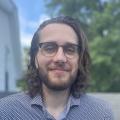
[58,87]
[59,84]
[59,80]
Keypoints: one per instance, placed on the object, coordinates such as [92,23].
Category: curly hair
[82,81]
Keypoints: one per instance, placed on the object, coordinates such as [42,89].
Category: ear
[79,61]
[36,62]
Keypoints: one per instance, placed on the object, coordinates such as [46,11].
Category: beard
[59,83]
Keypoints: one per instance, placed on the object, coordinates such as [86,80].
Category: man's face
[57,72]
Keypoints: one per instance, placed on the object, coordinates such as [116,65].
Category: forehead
[58,32]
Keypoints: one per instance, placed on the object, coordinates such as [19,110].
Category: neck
[55,99]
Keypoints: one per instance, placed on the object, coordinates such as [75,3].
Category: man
[57,78]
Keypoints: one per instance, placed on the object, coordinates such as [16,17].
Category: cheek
[75,65]
[43,62]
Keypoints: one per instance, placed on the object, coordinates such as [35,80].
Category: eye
[70,49]
[49,47]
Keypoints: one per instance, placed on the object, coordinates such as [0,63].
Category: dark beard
[45,80]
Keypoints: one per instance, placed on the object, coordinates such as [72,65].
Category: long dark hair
[81,82]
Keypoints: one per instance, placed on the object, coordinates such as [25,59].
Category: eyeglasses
[50,49]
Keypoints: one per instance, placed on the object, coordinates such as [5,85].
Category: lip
[59,71]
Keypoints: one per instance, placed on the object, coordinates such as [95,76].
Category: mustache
[57,66]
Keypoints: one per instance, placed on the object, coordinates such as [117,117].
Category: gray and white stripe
[21,106]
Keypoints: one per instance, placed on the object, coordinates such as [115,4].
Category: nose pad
[60,55]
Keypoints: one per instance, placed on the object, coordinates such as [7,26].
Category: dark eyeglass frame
[56,47]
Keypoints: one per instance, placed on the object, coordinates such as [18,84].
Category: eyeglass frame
[77,49]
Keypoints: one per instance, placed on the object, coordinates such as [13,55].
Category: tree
[101,22]
[21,83]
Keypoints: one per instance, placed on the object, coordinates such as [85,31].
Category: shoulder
[95,102]
[11,102]
[96,106]
[90,99]
[14,98]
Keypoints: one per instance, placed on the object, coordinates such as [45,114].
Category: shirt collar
[74,101]
[37,100]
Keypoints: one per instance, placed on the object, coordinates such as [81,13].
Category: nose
[60,56]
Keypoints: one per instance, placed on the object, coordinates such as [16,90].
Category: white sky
[31,13]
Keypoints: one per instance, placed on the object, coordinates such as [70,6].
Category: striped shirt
[21,106]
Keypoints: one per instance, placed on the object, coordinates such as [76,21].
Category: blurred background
[100,19]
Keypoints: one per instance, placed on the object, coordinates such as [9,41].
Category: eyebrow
[52,41]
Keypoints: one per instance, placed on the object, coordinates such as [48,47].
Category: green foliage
[101,22]
[21,83]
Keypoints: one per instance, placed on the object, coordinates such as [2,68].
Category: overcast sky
[31,14]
